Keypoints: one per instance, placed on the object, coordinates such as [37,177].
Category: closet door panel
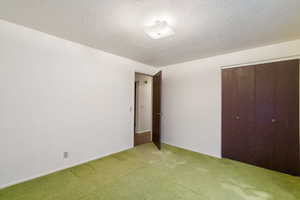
[261,142]
[245,117]
[238,111]
[229,110]
[286,119]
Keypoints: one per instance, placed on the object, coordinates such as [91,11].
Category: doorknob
[274,120]
[237,117]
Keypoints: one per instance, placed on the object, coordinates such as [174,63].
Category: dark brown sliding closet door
[285,155]
[260,115]
[262,140]
[229,110]
[238,111]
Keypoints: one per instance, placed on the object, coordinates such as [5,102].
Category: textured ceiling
[203,28]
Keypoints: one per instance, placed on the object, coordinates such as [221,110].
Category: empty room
[149,100]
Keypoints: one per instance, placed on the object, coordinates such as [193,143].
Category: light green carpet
[146,173]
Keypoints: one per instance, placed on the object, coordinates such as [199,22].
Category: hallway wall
[144,103]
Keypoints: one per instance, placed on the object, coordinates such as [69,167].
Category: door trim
[264,61]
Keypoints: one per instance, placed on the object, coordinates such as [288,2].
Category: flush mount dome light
[160,29]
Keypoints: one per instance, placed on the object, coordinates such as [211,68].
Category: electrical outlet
[66,155]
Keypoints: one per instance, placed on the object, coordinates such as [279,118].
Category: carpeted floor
[146,173]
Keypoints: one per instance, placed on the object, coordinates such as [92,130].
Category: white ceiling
[203,28]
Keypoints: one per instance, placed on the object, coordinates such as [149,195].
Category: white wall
[191,96]
[59,96]
[144,104]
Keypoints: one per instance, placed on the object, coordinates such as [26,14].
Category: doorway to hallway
[147,114]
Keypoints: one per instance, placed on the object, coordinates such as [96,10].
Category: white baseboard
[59,169]
[193,150]
[144,131]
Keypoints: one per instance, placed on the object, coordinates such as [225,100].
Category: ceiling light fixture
[159,30]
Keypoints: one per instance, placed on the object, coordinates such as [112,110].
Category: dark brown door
[285,157]
[156,113]
[260,121]
[262,141]
[135,104]
[238,111]
[275,143]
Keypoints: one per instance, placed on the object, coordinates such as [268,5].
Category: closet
[260,115]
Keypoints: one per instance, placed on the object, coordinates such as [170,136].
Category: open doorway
[143,109]
[147,109]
